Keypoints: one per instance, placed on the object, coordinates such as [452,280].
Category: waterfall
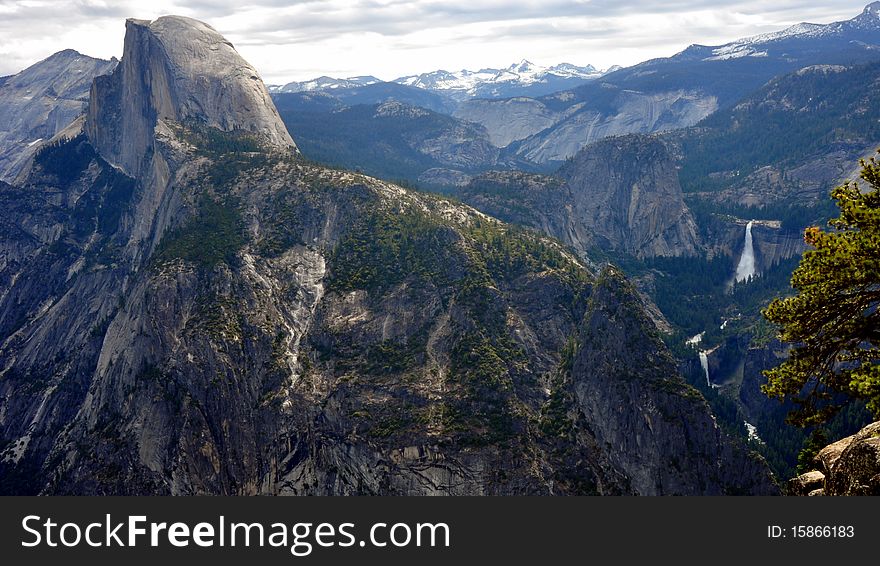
[704,363]
[752,432]
[746,266]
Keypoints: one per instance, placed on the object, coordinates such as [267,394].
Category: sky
[303,39]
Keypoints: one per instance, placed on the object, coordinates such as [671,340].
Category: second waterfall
[746,266]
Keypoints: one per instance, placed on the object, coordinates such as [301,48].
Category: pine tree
[834,320]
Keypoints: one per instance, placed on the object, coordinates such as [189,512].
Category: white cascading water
[746,266]
[752,432]
[696,339]
[704,362]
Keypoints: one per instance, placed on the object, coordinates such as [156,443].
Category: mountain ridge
[40,101]
[223,317]
[673,92]
[520,79]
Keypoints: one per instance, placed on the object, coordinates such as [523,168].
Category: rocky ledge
[850,466]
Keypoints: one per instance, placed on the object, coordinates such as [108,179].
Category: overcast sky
[301,39]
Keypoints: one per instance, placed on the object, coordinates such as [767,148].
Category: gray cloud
[368,36]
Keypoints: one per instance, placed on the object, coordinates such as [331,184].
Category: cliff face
[626,191]
[40,101]
[619,195]
[508,120]
[771,244]
[630,393]
[538,201]
[182,70]
[631,113]
[234,320]
[554,128]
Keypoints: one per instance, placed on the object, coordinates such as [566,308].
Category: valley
[523,280]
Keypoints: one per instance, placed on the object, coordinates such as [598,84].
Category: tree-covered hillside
[792,117]
[391,140]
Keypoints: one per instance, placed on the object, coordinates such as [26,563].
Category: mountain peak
[177,69]
[64,54]
[523,66]
[872,9]
[325,82]
[40,101]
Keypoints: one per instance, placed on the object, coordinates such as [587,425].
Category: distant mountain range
[771,53]
[545,115]
[519,79]
[324,83]
[669,93]
[776,43]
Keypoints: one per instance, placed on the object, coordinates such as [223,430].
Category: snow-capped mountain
[325,83]
[519,79]
[523,78]
[758,45]
[671,92]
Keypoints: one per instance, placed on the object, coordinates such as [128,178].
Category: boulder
[857,469]
[806,484]
[828,456]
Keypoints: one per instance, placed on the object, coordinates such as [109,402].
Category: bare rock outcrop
[630,113]
[553,128]
[177,69]
[806,484]
[40,101]
[856,471]
[638,208]
[619,195]
[849,466]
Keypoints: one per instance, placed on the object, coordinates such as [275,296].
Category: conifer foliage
[834,320]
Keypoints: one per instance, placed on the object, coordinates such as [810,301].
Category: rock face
[857,470]
[620,195]
[772,244]
[508,120]
[633,399]
[850,466]
[40,101]
[630,113]
[637,208]
[176,69]
[554,128]
[542,202]
[235,320]
[806,484]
